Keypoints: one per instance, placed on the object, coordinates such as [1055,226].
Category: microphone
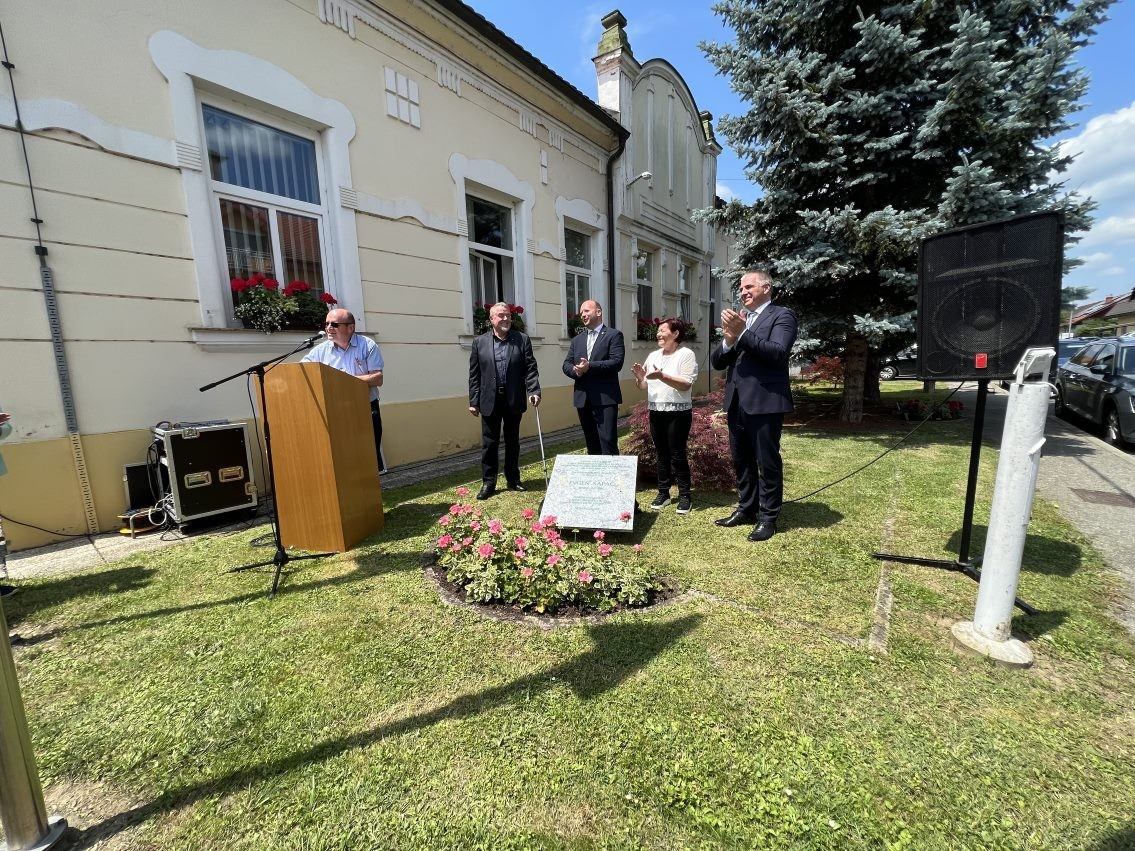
[311,341]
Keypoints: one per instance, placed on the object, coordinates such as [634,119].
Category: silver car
[1098,383]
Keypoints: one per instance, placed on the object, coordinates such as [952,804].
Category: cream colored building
[404,156]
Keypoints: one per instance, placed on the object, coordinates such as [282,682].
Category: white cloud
[1112,230]
[1104,164]
[724,192]
[590,29]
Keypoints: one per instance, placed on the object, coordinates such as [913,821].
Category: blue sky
[563,36]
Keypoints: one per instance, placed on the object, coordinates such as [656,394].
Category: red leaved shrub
[711,466]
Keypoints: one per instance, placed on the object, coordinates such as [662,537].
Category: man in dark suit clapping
[593,361]
[755,350]
[503,378]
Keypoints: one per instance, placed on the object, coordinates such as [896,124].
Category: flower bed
[531,566]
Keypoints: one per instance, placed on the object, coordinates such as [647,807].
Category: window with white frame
[491,252]
[577,277]
[265,183]
[685,273]
[645,275]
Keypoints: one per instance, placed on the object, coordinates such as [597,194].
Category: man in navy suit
[755,349]
[503,378]
[593,361]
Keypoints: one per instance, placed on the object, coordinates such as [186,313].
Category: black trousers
[670,431]
[491,427]
[376,424]
[600,424]
[754,442]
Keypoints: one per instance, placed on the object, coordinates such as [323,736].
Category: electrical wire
[878,457]
[6,519]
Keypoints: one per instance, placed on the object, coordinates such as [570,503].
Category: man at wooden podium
[355,355]
[503,378]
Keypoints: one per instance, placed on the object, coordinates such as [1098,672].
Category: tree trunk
[871,392]
[854,372]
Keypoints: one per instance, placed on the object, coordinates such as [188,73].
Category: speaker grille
[992,290]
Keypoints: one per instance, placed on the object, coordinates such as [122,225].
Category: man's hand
[581,367]
[473,410]
[535,400]
[732,325]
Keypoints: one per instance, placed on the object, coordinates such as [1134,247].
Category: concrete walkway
[1092,483]
[94,552]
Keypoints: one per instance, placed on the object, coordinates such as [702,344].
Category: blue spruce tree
[873,125]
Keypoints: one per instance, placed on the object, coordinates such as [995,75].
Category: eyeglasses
[337,324]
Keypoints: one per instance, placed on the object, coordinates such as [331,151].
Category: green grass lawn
[172,705]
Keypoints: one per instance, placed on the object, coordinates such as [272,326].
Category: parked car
[1064,350]
[900,365]
[1098,383]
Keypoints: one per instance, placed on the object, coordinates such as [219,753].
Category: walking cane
[540,434]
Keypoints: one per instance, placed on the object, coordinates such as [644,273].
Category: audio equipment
[986,293]
[206,469]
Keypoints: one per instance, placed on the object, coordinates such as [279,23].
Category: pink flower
[463,491]
[605,550]
[527,572]
[554,559]
[455,547]
[535,527]
[444,541]
[466,542]
[551,536]
[477,512]
[485,550]
[475,525]
[518,555]
[455,508]
[527,513]
[559,543]
[585,577]
[496,527]
[637,548]
[549,521]
[625,516]
[600,535]
[445,520]
[521,543]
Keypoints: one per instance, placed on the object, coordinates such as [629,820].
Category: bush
[824,369]
[481,317]
[707,449]
[531,566]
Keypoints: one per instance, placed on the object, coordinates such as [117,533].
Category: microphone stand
[281,556]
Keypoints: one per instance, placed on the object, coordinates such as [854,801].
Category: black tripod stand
[281,556]
[963,563]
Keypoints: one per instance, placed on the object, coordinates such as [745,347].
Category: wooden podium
[328,496]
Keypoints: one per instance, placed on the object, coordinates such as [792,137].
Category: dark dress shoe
[765,530]
[737,518]
[486,491]
[516,486]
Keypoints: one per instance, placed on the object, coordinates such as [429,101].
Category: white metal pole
[989,632]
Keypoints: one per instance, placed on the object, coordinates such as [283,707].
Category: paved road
[1092,483]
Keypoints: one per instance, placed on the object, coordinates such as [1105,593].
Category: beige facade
[407,112]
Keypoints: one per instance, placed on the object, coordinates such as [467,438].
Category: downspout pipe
[612,288]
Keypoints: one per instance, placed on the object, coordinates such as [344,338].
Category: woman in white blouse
[668,377]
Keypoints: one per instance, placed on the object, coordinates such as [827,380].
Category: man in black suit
[593,361]
[755,350]
[503,378]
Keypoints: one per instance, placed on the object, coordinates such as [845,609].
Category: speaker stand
[281,557]
[964,564]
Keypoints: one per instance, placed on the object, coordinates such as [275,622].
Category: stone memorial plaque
[592,492]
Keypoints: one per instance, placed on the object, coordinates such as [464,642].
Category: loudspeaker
[986,293]
[206,468]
